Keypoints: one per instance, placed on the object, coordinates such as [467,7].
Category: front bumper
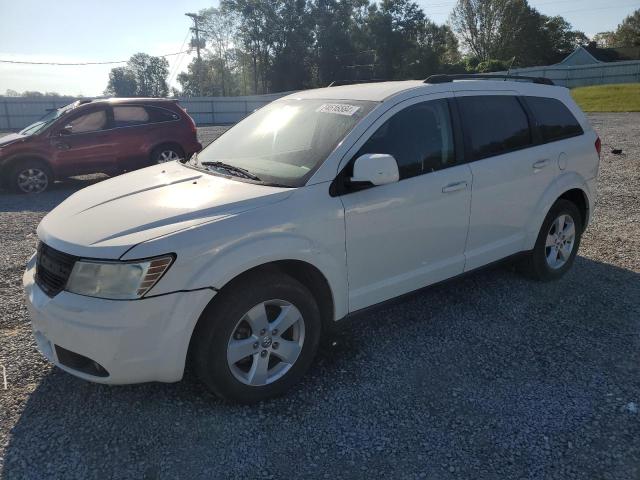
[133,340]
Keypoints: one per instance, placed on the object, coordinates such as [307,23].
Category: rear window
[494,124]
[126,116]
[553,118]
[157,114]
[130,115]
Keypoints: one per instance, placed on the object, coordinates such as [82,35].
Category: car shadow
[48,200]
[481,365]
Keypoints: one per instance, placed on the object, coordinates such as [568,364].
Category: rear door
[86,145]
[510,173]
[139,129]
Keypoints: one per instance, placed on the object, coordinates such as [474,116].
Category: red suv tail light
[598,146]
[191,120]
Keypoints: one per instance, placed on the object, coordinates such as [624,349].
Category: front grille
[53,269]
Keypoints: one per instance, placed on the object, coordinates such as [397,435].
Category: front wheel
[30,176]
[258,338]
[557,243]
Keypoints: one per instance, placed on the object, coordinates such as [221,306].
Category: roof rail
[339,83]
[445,78]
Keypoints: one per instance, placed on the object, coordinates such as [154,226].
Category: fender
[563,183]
[7,163]
[211,255]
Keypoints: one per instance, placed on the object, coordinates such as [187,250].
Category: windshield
[284,142]
[48,119]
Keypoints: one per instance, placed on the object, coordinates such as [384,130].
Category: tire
[30,176]
[229,329]
[539,264]
[166,153]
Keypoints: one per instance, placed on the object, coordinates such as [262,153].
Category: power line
[176,67]
[598,8]
[22,62]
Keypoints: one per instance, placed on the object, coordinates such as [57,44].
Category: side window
[553,118]
[89,122]
[419,137]
[157,115]
[494,124]
[129,115]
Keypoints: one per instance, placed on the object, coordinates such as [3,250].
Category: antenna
[510,65]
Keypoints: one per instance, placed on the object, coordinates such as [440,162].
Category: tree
[481,25]
[628,32]
[605,39]
[220,30]
[504,29]
[341,41]
[11,93]
[122,83]
[143,76]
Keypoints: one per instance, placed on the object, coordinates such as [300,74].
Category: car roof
[381,91]
[136,100]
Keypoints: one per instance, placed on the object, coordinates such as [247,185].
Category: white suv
[319,205]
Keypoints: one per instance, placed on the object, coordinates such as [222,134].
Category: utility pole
[196,29]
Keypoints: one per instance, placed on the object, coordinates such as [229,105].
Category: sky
[105,30]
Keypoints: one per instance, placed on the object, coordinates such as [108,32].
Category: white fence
[584,75]
[18,112]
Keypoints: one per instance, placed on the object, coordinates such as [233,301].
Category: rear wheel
[258,338]
[30,176]
[166,153]
[557,243]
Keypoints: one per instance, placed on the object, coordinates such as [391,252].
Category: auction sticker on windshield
[339,108]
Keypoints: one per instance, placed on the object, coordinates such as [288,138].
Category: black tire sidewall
[542,269]
[217,325]
[23,165]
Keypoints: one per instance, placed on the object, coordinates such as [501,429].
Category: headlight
[117,280]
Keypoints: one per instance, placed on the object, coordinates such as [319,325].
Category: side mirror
[66,130]
[375,169]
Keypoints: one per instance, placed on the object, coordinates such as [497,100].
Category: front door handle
[540,164]
[62,146]
[454,187]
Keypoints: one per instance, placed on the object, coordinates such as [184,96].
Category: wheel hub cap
[560,241]
[266,342]
[32,180]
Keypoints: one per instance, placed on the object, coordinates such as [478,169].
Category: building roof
[619,54]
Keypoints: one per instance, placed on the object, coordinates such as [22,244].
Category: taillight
[598,146]
[194,129]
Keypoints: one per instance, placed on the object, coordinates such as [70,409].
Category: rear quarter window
[157,114]
[494,124]
[554,120]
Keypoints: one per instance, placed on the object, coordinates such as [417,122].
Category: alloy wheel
[560,241]
[32,180]
[168,156]
[266,342]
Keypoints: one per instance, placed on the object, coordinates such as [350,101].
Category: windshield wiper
[239,172]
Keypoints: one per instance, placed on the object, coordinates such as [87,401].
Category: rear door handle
[540,164]
[454,187]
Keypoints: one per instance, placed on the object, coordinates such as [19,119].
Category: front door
[86,145]
[406,235]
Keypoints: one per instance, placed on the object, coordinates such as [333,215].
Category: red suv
[109,136]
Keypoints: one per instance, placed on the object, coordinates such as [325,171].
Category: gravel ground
[490,376]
